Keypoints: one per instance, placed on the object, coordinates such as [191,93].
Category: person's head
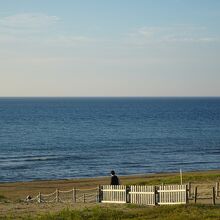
[113,172]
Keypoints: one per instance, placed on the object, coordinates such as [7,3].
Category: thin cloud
[170,34]
[36,28]
[28,21]
[69,40]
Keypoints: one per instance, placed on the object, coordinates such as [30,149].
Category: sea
[64,138]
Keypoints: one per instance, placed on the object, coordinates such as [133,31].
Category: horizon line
[109,96]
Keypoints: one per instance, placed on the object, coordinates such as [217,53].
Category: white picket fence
[114,194]
[172,194]
[135,194]
[145,195]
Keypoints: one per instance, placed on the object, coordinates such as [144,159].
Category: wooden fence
[135,194]
[145,195]
[217,190]
[204,192]
[71,196]
[172,194]
[114,194]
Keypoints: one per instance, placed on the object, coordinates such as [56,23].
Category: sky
[109,48]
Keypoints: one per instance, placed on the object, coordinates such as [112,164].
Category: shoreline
[104,177]
[15,191]
[12,195]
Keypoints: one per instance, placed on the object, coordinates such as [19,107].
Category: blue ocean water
[59,138]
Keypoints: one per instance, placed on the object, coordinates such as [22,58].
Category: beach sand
[12,195]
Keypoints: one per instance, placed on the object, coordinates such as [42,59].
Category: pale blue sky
[110,48]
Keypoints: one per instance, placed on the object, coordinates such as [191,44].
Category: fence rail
[114,194]
[70,196]
[173,194]
[204,191]
[143,195]
[217,189]
[135,194]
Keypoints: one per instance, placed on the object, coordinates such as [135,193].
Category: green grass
[175,179]
[127,212]
[138,213]
[131,211]
[3,198]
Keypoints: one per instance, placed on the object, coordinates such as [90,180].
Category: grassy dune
[13,194]
[181,212]
[19,190]
[169,213]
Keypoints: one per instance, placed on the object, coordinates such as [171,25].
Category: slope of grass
[16,210]
[3,199]
[204,177]
[181,212]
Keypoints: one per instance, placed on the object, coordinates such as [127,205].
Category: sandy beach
[14,194]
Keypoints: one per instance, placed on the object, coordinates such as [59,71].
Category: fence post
[74,195]
[195,194]
[128,198]
[155,195]
[213,195]
[84,197]
[57,195]
[39,199]
[189,189]
[187,194]
[217,189]
[99,193]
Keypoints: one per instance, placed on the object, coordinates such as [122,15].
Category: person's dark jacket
[114,180]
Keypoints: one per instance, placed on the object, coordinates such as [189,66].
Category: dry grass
[12,195]
[122,212]
[19,190]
